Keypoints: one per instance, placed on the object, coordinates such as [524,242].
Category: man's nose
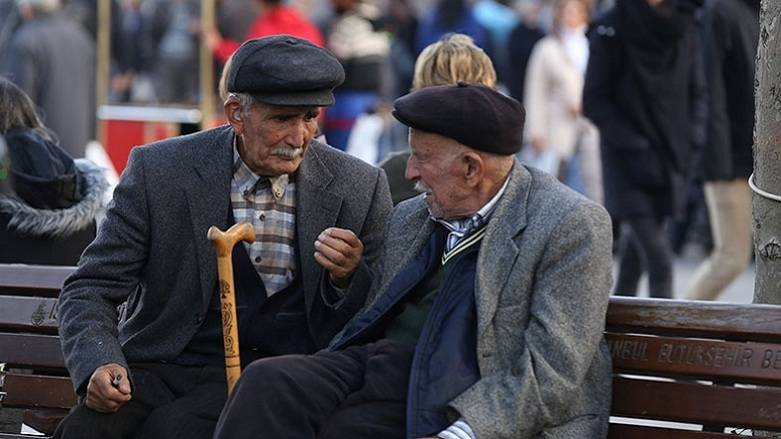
[296,134]
[411,171]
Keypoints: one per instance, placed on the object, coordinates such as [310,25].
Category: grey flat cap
[285,70]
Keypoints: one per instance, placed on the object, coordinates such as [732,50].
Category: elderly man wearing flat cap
[140,318]
[487,320]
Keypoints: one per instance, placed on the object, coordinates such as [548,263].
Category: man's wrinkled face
[274,138]
[437,171]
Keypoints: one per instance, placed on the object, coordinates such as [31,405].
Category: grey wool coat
[151,250]
[542,287]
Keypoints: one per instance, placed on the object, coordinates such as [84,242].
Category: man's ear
[474,167]
[232,109]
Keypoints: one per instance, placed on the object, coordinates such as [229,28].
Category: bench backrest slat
[760,323]
[742,362]
[33,280]
[28,314]
[696,403]
[32,391]
[31,350]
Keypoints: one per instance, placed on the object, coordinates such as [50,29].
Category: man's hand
[338,251]
[102,395]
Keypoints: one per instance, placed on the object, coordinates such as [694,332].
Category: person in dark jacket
[522,40]
[48,214]
[488,319]
[318,217]
[731,35]
[645,92]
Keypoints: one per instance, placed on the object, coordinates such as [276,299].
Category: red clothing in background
[280,20]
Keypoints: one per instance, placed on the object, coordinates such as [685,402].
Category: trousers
[358,392]
[168,401]
[729,210]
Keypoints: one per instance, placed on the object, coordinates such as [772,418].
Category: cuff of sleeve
[332,295]
[458,430]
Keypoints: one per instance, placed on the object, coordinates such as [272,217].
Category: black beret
[285,70]
[472,114]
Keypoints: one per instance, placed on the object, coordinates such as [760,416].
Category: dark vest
[445,360]
[268,326]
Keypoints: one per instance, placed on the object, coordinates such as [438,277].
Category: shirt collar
[249,182]
[480,217]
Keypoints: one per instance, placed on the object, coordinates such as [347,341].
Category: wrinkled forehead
[287,109]
[432,143]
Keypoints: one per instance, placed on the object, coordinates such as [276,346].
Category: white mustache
[422,187]
[288,153]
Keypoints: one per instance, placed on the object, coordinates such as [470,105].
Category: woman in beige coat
[554,87]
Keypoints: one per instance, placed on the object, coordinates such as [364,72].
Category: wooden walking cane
[223,242]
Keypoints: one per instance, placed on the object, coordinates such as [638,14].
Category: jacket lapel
[208,198]
[405,245]
[495,264]
[317,208]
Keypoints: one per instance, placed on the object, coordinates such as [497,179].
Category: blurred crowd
[645,106]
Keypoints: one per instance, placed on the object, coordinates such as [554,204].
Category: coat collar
[209,199]
[507,223]
[317,207]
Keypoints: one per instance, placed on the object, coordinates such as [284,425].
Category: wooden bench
[33,376]
[698,363]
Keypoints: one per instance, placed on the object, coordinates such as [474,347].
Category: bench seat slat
[28,314]
[31,350]
[748,363]
[760,323]
[38,391]
[758,408]
[624,431]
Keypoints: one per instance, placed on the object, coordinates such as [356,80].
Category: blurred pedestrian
[402,23]
[356,38]
[274,18]
[452,16]
[522,41]
[731,35]
[48,212]
[52,59]
[499,19]
[175,28]
[644,90]
[554,90]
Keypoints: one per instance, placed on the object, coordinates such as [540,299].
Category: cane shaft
[230,328]
[223,244]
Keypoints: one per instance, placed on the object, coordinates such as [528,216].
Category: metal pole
[206,74]
[102,63]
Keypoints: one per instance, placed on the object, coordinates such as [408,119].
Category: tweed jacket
[151,251]
[542,285]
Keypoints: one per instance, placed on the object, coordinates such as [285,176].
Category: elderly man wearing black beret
[487,321]
[156,367]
